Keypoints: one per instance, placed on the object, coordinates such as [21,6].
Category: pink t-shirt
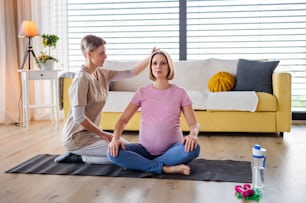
[160,116]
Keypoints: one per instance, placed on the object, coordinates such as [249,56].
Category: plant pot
[49,65]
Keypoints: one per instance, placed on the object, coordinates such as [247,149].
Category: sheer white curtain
[50,18]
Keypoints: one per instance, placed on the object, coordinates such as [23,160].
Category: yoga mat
[201,170]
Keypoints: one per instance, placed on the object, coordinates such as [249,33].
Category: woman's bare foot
[179,169]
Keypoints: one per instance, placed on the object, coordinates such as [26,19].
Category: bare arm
[78,113]
[115,143]
[191,140]
[91,127]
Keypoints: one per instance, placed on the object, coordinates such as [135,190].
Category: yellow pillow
[221,81]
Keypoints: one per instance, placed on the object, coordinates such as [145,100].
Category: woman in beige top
[81,135]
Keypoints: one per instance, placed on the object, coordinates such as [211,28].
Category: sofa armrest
[66,102]
[281,82]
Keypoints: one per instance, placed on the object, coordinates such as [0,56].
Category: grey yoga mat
[201,170]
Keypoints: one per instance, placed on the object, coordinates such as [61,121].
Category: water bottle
[259,162]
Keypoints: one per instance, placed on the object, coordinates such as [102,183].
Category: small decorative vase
[49,65]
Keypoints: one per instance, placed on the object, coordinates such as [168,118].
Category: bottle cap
[258,151]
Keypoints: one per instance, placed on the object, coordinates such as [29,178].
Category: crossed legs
[174,160]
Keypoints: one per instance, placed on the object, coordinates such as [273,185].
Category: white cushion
[199,99]
[192,75]
[232,101]
[131,84]
[117,101]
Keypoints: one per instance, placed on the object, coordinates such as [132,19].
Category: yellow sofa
[272,115]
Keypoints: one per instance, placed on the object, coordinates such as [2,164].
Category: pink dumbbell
[245,190]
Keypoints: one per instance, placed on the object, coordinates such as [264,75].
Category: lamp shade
[28,29]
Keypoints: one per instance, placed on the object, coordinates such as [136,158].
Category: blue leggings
[136,157]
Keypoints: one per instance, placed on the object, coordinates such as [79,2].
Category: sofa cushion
[131,84]
[117,101]
[192,75]
[265,102]
[199,99]
[221,81]
[255,75]
[232,101]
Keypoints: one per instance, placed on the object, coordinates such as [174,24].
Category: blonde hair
[91,43]
[170,75]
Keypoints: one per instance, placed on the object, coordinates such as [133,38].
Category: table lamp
[28,29]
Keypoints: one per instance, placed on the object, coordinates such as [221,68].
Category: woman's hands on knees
[191,142]
[114,146]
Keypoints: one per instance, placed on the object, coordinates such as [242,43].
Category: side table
[52,76]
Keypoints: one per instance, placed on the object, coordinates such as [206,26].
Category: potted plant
[45,60]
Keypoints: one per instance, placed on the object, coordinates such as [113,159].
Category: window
[273,30]
[195,29]
[130,28]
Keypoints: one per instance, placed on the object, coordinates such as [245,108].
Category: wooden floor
[285,175]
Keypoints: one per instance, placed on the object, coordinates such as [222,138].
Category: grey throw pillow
[253,75]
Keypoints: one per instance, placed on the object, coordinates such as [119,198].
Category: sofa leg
[281,134]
